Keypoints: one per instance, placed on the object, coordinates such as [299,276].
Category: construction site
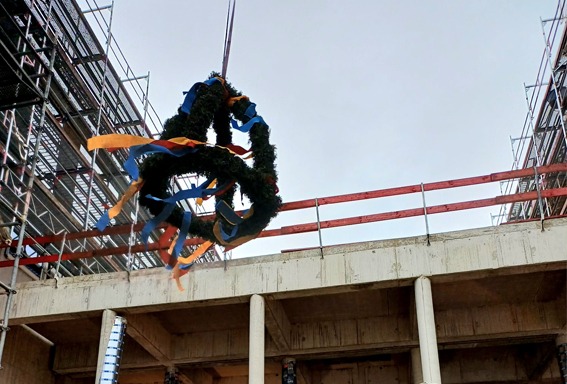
[481,305]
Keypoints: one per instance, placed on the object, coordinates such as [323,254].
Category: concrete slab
[392,262]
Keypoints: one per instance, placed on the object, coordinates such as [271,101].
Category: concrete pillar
[426,329]
[416,370]
[106,325]
[256,349]
[561,343]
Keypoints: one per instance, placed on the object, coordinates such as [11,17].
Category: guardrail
[537,195]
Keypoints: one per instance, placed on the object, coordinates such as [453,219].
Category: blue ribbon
[190,193]
[103,222]
[152,224]
[228,213]
[250,111]
[246,127]
[182,234]
[170,203]
[225,236]
[191,95]
[146,149]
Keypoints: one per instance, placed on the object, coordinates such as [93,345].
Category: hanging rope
[228,36]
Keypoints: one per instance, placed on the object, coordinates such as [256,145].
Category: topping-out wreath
[213,102]
[182,149]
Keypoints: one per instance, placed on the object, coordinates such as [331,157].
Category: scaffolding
[543,140]
[60,86]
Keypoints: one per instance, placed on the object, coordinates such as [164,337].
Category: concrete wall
[26,359]
[23,275]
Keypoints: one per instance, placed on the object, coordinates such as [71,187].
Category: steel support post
[427,334]
[256,347]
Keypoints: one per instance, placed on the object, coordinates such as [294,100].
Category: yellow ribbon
[195,255]
[233,100]
[176,275]
[177,272]
[119,140]
[211,185]
[131,191]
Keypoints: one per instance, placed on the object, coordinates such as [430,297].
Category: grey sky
[359,95]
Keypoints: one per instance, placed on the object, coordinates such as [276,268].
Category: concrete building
[476,306]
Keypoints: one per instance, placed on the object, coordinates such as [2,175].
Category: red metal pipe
[98,252]
[310,203]
[312,227]
[498,176]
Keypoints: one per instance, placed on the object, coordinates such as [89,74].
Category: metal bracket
[539,200]
[319,227]
[7,288]
[425,214]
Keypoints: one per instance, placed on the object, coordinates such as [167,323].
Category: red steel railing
[316,226]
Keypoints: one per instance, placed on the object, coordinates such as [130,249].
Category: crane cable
[228,36]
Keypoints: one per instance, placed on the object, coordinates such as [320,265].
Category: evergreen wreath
[214,105]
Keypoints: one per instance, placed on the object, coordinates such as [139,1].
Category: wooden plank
[277,324]
[147,331]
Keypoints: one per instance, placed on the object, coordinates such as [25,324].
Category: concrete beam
[277,324]
[147,331]
[474,253]
[303,374]
[196,376]
[459,328]
[145,376]
[75,358]
[219,346]
[82,358]
[485,365]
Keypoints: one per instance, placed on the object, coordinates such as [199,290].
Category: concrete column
[256,349]
[416,370]
[106,325]
[427,334]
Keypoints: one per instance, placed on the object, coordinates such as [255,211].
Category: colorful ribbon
[248,126]
[191,95]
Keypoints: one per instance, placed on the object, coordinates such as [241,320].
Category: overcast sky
[359,95]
